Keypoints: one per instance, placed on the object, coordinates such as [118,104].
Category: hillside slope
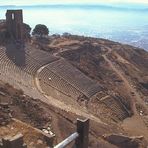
[79,77]
[121,70]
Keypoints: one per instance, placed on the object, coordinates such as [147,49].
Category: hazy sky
[32,2]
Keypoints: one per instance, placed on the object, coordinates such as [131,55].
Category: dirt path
[134,125]
[121,59]
[61,105]
[129,88]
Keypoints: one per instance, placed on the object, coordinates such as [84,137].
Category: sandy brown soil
[111,55]
[101,60]
[41,115]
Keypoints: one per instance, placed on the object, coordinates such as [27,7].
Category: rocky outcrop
[125,141]
[5,114]
[13,142]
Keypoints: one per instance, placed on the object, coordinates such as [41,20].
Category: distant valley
[124,24]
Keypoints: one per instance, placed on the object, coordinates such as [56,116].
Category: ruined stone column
[14,23]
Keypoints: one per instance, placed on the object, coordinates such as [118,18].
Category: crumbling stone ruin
[5,114]
[13,27]
[13,142]
[125,141]
[14,24]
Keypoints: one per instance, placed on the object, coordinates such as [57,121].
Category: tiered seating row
[116,107]
[31,66]
[13,75]
[20,76]
[7,67]
[53,80]
[32,60]
[73,76]
[60,75]
[40,56]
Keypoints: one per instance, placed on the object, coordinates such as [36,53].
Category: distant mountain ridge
[82,6]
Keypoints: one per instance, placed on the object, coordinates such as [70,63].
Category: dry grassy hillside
[65,77]
[121,70]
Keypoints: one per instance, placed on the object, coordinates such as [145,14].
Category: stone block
[14,142]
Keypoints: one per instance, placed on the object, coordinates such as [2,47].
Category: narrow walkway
[128,87]
[135,124]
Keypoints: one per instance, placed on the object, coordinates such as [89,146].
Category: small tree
[40,30]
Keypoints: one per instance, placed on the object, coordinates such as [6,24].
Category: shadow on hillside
[16,53]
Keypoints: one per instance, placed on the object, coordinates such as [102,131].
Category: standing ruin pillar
[14,23]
